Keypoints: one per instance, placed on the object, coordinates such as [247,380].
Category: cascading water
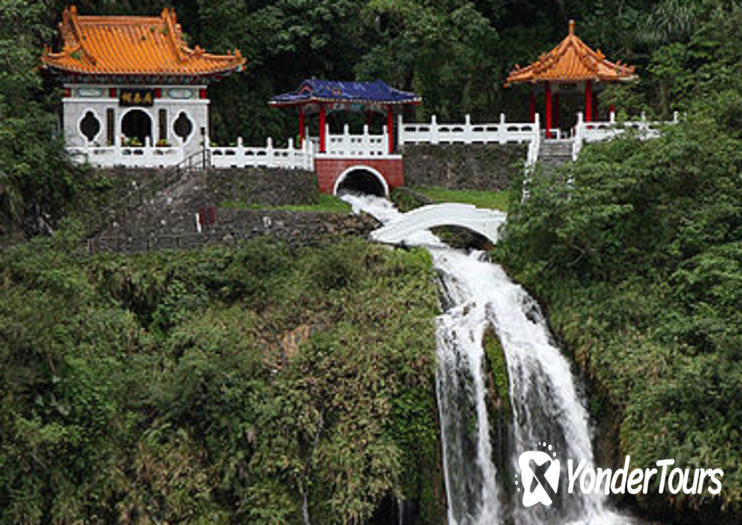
[545,404]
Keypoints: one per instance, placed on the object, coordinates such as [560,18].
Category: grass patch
[483,199]
[324,204]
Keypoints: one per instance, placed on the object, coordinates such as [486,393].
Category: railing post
[289,160]
[467,129]
[537,124]
[400,130]
[612,117]
[579,135]
[502,130]
[433,130]
[240,152]
[308,158]
[269,151]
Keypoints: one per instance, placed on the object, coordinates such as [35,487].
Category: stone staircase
[554,153]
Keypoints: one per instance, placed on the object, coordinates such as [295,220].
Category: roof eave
[315,100]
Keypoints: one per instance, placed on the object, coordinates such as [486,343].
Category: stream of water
[548,412]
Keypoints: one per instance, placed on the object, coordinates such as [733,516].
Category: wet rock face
[463,166]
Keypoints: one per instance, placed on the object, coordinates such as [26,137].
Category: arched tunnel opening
[361,181]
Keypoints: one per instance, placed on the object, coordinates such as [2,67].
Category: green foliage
[35,177]
[216,386]
[498,370]
[635,249]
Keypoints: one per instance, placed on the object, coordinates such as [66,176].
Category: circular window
[183,126]
[89,126]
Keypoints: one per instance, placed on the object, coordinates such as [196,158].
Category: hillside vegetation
[636,250]
[227,385]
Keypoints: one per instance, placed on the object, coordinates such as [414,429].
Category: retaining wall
[463,166]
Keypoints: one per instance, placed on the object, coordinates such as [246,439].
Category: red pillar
[301,126]
[390,127]
[556,110]
[548,110]
[322,126]
[588,101]
[532,107]
[369,120]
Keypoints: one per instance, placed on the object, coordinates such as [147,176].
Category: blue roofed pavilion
[323,96]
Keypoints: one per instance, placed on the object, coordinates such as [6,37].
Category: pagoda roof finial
[572,27]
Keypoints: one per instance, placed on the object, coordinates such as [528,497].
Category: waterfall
[547,411]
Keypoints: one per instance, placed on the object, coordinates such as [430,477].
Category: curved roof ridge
[107,46]
[571,60]
[313,90]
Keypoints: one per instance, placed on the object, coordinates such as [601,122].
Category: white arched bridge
[483,221]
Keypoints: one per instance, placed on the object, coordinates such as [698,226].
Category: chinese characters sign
[136,97]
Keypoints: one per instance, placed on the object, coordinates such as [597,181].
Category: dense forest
[634,251]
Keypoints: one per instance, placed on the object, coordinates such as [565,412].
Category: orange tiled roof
[132,45]
[572,61]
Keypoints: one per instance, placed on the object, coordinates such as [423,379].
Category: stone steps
[553,153]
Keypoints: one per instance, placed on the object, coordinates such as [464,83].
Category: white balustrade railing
[466,133]
[364,145]
[534,145]
[146,156]
[357,145]
[597,131]
[240,156]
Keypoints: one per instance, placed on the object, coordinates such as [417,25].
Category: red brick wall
[328,170]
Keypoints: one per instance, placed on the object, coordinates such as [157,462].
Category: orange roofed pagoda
[132,78]
[572,66]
